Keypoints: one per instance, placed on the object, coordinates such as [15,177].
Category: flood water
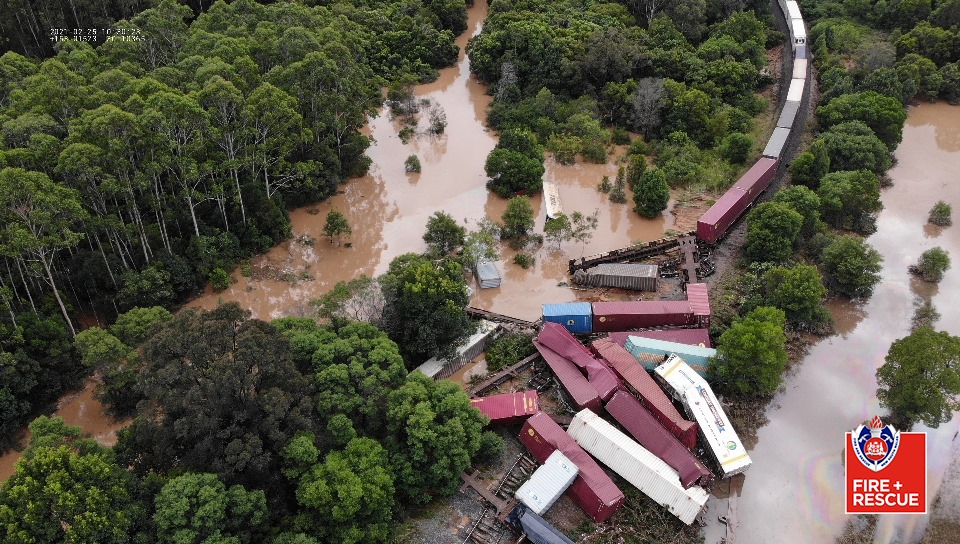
[388,211]
[794,490]
[83,410]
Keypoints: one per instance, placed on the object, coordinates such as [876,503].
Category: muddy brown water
[388,211]
[793,493]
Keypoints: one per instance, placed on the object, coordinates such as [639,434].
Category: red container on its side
[583,394]
[622,316]
[509,408]
[559,339]
[652,435]
[691,337]
[643,385]
[593,490]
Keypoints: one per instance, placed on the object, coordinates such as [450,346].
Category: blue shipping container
[649,351]
[539,531]
[577,317]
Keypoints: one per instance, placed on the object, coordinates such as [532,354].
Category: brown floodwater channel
[793,493]
[388,211]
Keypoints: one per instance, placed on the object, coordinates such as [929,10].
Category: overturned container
[547,483]
[638,277]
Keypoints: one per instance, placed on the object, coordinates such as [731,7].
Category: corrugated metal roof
[508,407]
[487,274]
[640,423]
[799,68]
[795,92]
[693,337]
[468,349]
[547,483]
[582,393]
[593,490]
[637,465]
[567,308]
[625,269]
[698,295]
[788,114]
[647,389]
[559,339]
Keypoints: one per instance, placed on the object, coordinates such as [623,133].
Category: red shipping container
[714,223]
[593,490]
[646,388]
[603,379]
[698,295]
[583,394]
[509,408]
[652,435]
[758,177]
[559,339]
[691,337]
[622,316]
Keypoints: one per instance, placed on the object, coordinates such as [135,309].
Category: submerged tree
[336,225]
[932,265]
[920,380]
[940,214]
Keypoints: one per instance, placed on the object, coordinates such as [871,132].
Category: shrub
[564,148]
[595,152]
[933,263]
[940,214]
[507,350]
[525,260]
[605,185]
[621,136]
[412,164]
[220,279]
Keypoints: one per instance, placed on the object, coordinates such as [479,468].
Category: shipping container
[551,199]
[603,380]
[800,53]
[698,295]
[559,339]
[487,275]
[576,317]
[467,350]
[788,114]
[758,177]
[641,384]
[795,92]
[536,529]
[697,357]
[644,427]
[639,277]
[798,32]
[776,143]
[792,11]
[547,483]
[637,465]
[800,69]
[581,392]
[717,435]
[593,490]
[693,337]
[621,316]
[714,224]
[508,408]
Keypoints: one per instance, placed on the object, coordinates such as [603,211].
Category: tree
[933,263]
[649,101]
[651,193]
[39,217]
[850,199]
[222,396]
[583,226]
[884,114]
[444,234]
[799,292]
[507,350]
[736,147]
[200,509]
[99,348]
[424,306]
[481,244]
[558,229]
[336,225]
[810,167]
[137,325]
[805,202]
[517,218]
[352,491]
[434,434]
[919,380]
[752,354]
[412,165]
[940,214]
[853,146]
[512,172]
[852,267]
[772,231]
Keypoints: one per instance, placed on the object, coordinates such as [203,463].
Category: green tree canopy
[444,234]
[753,352]
[850,200]
[512,172]
[805,202]
[335,226]
[199,509]
[651,193]
[932,264]
[883,114]
[852,267]
[810,167]
[799,292]
[137,325]
[919,379]
[853,146]
[772,231]
[518,218]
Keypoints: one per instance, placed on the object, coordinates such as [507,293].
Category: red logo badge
[885,470]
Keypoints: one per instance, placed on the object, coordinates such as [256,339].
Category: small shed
[639,277]
[487,275]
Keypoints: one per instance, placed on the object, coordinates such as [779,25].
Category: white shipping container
[795,93]
[798,32]
[793,10]
[716,432]
[677,376]
[547,483]
[637,465]
[800,69]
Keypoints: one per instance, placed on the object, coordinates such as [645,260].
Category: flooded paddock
[794,490]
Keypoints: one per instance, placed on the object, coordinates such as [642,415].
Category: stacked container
[576,317]
[547,483]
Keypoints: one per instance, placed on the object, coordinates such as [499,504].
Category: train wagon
[576,317]
[788,115]
[698,295]
[593,490]
[646,389]
[647,472]
[717,435]
[800,69]
[622,316]
[776,143]
[697,357]
[508,408]
[547,483]
[693,337]
[534,527]
[638,277]
[583,394]
[558,339]
[643,426]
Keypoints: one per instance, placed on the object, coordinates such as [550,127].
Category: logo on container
[885,470]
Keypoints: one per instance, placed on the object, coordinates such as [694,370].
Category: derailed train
[716,222]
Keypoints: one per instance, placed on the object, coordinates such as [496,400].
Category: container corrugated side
[638,466]
[638,277]
[603,379]
[583,394]
[795,92]
[645,428]
[539,530]
[692,337]
[718,435]
[508,408]
[559,339]
[793,10]
[593,490]
[698,295]
[799,68]
[755,180]
[798,31]
[574,316]
[677,377]
[788,114]
[713,224]
[619,316]
[650,394]
[776,142]
[697,357]
[547,483]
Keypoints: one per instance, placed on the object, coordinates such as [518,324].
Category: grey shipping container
[775,145]
[539,531]
[487,275]
[639,277]
[788,114]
